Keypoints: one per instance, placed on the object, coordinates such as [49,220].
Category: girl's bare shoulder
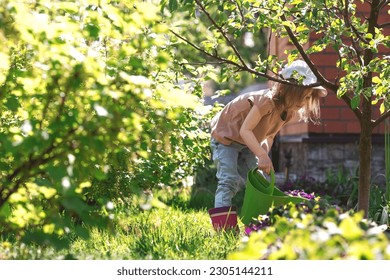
[262,99]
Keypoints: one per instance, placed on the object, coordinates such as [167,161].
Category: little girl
[242,133]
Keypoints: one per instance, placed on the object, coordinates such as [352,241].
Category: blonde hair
[287,96]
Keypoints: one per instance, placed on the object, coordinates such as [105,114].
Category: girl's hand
[265,164]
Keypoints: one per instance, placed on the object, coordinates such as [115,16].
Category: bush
[77,99]
[315,231]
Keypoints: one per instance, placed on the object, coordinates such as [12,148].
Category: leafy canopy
[81,81]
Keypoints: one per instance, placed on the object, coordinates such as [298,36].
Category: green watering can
[260,195]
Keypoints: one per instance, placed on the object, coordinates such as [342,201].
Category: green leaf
[163,3]
[350,228]
[12,103]
[282,227]
[57,172]
[74,203]
[172,5]
[5,210]
[355,101]
[382,108]
[376,80]
[302,28]
[93,30]
[82,232]
[99,174]
[34,237]
[136,62]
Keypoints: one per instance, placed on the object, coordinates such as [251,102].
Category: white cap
[298,69]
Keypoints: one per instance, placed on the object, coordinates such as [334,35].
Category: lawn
[173,224]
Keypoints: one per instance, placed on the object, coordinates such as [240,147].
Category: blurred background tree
[92,112]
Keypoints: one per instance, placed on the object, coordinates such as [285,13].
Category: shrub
[315,231]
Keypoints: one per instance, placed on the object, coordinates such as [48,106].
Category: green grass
[178,227]
[173,231]
[158,234]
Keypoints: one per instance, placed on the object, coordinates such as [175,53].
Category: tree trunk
[365,152]
[365,144]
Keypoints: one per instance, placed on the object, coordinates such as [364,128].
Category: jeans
[233,163]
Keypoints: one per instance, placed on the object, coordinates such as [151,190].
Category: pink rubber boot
[224,218]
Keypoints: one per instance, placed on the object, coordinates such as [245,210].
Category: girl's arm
[246,133]
[267,143]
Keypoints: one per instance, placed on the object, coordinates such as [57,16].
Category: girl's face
[296,102]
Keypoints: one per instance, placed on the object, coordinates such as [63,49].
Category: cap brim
[322,92]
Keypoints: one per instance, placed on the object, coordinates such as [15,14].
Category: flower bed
[313,230]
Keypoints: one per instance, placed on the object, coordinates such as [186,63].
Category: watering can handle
[272,176]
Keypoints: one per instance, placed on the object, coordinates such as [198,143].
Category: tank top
[225,126]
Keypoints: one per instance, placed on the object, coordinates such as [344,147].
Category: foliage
[314,232]
[176,149]
[84,87]
[199,66]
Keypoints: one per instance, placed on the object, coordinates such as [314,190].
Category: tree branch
[227,61]
[240,10]
[383,3]
[232,46]
[26,166]
[383,25]
[356,111]
[202,63]
[32,162]
[305,57]
[349,25]
[320,77]
[205,52]
[384,116]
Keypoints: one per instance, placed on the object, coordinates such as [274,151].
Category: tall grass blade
[387,158]
[385,213]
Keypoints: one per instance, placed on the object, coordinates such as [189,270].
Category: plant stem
[387,158]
